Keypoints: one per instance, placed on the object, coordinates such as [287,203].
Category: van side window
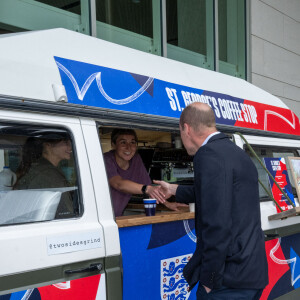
[38,179]
[264,151]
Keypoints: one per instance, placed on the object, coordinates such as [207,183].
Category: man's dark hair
[197,117]
[121,131]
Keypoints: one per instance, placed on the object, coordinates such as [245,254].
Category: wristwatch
[144,188]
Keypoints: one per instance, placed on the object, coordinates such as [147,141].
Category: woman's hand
[156,192]
[167,189]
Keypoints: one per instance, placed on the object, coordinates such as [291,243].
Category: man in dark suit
[230,260]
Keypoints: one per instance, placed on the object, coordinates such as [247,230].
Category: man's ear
[113,145]
[186,128]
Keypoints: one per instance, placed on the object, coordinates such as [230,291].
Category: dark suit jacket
[230,248]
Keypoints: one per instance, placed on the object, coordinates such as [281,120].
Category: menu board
[277,167]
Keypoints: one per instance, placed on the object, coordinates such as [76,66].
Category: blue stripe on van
[98,86]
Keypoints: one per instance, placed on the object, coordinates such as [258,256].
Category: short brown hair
[198,115]
[122,131]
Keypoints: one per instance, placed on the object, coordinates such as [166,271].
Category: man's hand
[156,192]
[167,189]
[174,205]
[208,290]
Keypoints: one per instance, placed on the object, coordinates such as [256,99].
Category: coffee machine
[178,172]
[172,165]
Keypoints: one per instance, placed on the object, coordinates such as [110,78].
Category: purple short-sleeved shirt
[136,172]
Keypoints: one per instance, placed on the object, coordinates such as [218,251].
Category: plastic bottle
[7,179]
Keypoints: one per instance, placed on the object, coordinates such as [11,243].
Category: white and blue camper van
[61,83]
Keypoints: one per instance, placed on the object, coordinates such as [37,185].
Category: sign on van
[277,167]
[73,242]
[103,87]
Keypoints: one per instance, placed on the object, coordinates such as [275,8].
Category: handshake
[163,191]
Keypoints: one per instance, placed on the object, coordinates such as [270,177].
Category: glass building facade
[209,34]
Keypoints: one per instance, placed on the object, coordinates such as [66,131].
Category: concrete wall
[275,48]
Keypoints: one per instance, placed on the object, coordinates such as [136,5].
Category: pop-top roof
[41,64]
[28,68]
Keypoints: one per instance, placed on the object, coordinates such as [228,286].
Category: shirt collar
[211,135]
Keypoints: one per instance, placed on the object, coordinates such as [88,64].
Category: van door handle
[91,268]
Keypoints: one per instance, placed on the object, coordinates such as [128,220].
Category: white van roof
[56,64]
[28,69]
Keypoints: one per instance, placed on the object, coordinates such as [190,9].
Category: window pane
[186,25]
[131,15]
[38,179]
[232,43]
[189,31]
[68,5]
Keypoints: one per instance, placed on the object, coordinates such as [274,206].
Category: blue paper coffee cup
[150,206]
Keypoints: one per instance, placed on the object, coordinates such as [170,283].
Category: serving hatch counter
[154,252]
[161,216]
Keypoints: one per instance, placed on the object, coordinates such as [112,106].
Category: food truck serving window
[38,178]
[161,156]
